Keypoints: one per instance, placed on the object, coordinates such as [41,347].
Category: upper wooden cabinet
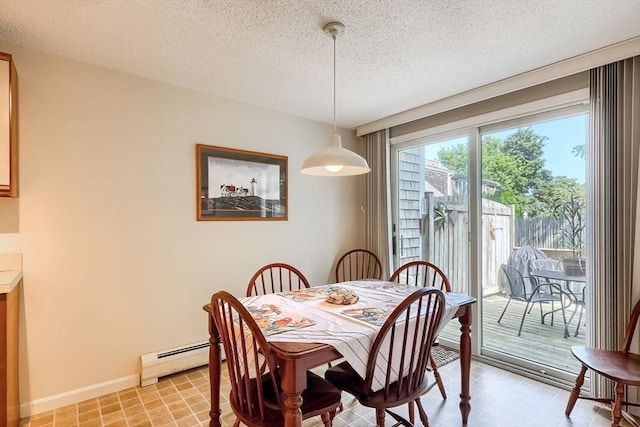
[8,127]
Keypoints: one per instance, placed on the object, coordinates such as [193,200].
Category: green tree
[455,158]
[578,151]
[518,166]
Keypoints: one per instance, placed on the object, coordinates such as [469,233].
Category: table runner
[350,329]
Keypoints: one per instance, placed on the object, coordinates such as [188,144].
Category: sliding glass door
[533,216]
[433,211]
[500,209]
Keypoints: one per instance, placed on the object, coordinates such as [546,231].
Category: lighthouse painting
[240,185]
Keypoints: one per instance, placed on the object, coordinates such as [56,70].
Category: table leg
[214,373]
[465,363]
[293,380]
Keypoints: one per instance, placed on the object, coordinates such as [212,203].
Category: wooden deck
[539,343]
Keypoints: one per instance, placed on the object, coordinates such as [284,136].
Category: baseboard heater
[161,363]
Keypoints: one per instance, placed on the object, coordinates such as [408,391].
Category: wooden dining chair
[401,345]
[358,264]
[256,395]
[424,273]
[276,277]
[421,273]
[621,367]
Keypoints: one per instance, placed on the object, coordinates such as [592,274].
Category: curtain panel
[612,158]
[377,202]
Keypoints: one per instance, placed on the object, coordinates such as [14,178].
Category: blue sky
[563,135]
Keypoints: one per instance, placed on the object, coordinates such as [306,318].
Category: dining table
[304,331]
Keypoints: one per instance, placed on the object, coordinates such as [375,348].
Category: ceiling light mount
[334,29]
[335,160]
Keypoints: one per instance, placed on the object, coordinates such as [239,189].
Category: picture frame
[240,185]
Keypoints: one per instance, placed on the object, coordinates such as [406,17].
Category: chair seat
[543,297]
[316,398]
[347,379]
[615,365]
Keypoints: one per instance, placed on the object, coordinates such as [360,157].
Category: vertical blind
[377,198]
[612,156]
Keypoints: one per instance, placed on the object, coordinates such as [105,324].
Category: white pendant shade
[335,161]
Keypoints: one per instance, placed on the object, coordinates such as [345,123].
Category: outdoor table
[560,276]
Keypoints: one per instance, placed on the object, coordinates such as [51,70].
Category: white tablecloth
[330,324]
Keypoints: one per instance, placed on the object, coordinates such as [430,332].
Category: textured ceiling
[394,55]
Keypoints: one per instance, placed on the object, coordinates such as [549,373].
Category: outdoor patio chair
[543,264]
[576,290]
[532,293]
[521,258]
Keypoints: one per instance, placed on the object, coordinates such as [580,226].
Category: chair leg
[564,318]
[616,410]
[581,313]
[412,416]
[542,314]
[327,418]
[436,374]
[522,321]
[576,391]
[505,310]
[380,417]
[423,414]
[579,319]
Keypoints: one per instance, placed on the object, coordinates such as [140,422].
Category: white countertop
[10,271]
[8,280]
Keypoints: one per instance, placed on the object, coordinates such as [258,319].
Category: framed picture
[238,185]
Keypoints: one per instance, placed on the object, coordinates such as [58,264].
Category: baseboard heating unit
[161,363]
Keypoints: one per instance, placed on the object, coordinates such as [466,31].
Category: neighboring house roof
[431,189]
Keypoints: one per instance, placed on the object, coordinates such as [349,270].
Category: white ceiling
[395,54]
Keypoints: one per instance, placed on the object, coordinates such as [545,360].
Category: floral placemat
[272,320]
[310,293]
[397,288]
[373,315]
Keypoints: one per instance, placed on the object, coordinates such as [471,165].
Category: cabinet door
[8,127]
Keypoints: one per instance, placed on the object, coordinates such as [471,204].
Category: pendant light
[335,160]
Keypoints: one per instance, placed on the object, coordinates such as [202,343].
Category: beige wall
[115,264]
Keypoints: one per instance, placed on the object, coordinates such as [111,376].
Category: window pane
[533,221]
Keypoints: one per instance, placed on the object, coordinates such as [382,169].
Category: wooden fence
[446,239]
[539,232]
[443,232]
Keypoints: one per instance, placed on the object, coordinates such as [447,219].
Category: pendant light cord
[333,35]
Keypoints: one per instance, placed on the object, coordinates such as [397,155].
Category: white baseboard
[50,403]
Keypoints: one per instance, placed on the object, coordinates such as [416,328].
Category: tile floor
[498,399]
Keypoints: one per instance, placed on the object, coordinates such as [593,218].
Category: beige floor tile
[498,399]
[88,406]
